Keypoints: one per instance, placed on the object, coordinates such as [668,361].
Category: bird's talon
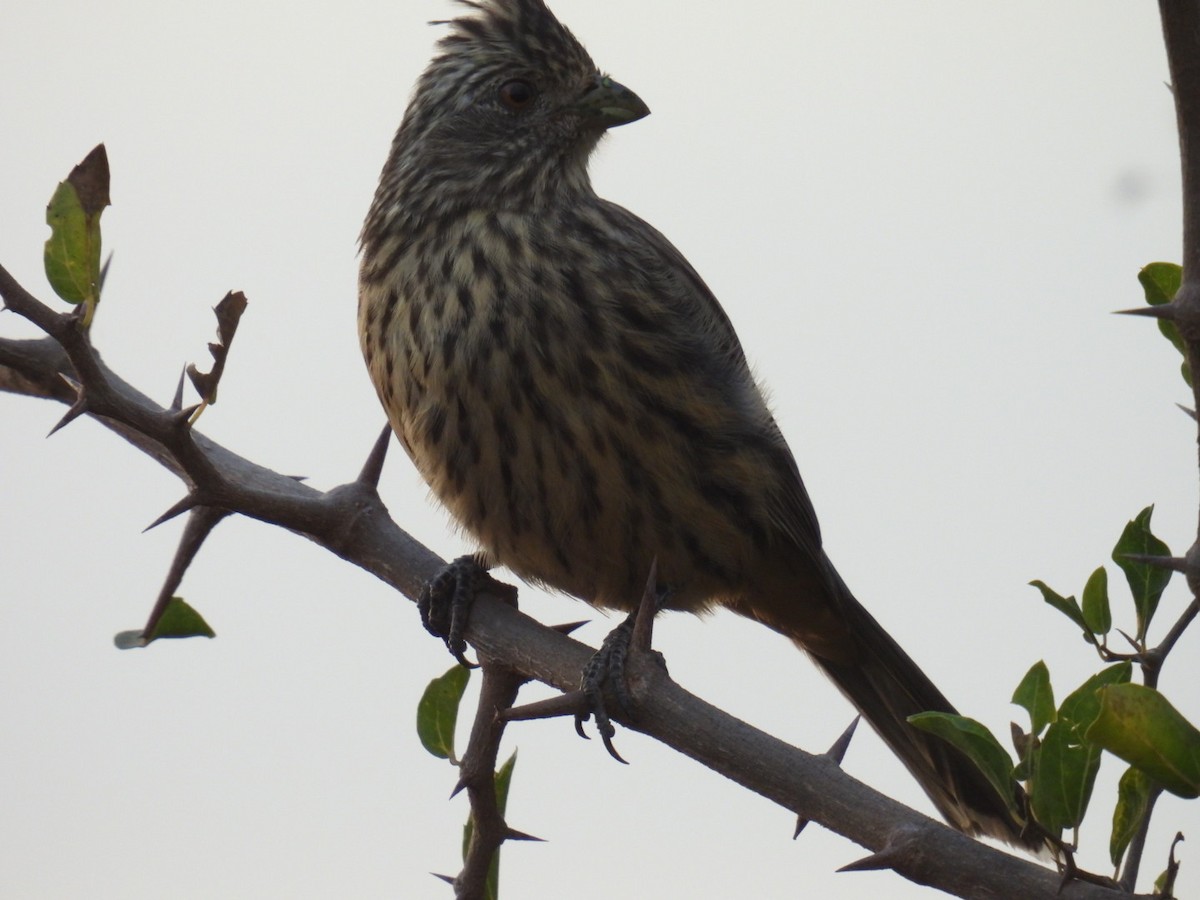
[445,603]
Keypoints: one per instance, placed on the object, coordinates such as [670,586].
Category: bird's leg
[606,668]
[445,601]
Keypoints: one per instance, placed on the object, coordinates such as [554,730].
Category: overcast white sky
[919,216]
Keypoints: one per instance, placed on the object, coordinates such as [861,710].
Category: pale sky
[919,216]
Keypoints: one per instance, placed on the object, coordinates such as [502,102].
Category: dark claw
[607,668]
[445,602]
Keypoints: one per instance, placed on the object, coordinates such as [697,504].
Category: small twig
[1175,633]
[478,775]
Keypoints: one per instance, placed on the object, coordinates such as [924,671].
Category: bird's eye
[517,95]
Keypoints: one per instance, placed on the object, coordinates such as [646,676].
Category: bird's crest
[507,32]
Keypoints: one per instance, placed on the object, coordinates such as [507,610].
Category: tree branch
[351,521]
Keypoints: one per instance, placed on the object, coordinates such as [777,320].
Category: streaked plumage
[573,392]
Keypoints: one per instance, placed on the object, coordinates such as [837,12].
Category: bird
[575,395]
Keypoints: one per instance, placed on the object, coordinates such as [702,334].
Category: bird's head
[505,115]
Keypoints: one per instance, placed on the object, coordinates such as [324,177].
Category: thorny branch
[351,521]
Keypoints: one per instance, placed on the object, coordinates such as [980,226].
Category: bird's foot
[445,602]
[606,668]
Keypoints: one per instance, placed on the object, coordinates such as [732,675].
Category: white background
[919,216]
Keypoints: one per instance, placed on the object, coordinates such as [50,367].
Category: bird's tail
[887,687]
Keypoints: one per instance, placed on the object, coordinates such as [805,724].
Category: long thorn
[885,858]
[77,409]
[1163,311]
[103,274]
[511,834]
[643,625]
[373,467]
[568,627]
[185,505]
[837,752]
[570,704]
[177,402]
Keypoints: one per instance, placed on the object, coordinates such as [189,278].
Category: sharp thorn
[872,863]
[187,503]
[511,834]
[838,751]
[570,704]
[801,822]
[643,626]
[184,418]
[1190,412]
[373,467]
[867,864]
[77,409]
[446,878]
[103,274]
[301,478]
[177,402]
[568,627]
[1163,311]
[458,787]
[71,382]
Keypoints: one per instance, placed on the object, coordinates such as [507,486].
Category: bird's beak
[609,104]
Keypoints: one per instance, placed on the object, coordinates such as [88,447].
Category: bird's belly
[563,491]
[573,460]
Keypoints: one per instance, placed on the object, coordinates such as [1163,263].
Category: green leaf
[1063,775]
[1133,798]
[72,254]
[1146,582]
[1036,696]
[503,780]
[437,711]
[980,746]
[1064,767]
[1083,704]
[1161,282]
[1140,725]
[179,620]
[1096,612]
[1068,606]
